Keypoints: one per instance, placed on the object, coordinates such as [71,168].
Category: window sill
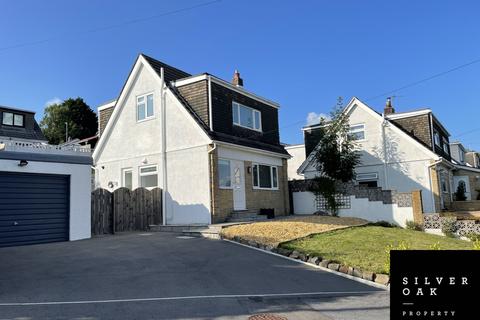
[146,119]
[266,189]
[239,125]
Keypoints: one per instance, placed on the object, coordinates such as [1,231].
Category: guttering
[212,191]
[384,124]
[254,150]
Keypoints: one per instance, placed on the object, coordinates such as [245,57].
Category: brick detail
[103,117]
[196,94]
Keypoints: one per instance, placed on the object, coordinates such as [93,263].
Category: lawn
[274,232]
[365,247]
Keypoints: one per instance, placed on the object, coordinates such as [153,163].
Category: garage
[34,208]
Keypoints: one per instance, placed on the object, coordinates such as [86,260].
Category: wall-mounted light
[22,163]
[249,169]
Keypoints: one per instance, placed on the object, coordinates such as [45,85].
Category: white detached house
[212,146]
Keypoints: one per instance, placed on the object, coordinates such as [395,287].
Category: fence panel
[125,210]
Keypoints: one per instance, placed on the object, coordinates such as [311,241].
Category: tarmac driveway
[162,276]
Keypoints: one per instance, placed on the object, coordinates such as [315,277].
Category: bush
[383,223]
[449,227]
[412,225]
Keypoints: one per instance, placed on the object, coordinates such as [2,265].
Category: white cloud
[55,100]
[314,118]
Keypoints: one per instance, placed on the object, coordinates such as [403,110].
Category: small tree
[76,114]
[335,156]
[460,193]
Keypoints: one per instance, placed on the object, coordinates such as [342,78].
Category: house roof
[170,73]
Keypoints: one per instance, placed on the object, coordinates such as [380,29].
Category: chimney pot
[389,109]
[237,81]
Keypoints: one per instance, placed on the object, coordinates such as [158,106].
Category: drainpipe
[384,124]
[164,148]
[212,191]
[430,179]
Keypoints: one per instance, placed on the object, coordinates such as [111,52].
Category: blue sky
[302,54]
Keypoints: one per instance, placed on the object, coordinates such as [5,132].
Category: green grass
[365,247]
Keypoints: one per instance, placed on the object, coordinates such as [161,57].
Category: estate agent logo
[437,284]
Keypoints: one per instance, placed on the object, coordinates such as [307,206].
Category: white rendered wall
[80,189]
[233,153]
[133,144]
[304,203]
[298,157]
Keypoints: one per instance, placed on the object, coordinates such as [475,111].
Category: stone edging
[367,277]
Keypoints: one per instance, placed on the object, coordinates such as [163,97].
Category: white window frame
[140,175]
[446,149]
[362,125]
[436,139]
[271,176]
[366,176]
[239,105]
[125,170]
[229,171]
[144,96]
[462,156]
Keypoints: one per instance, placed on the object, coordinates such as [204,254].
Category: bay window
[264,177]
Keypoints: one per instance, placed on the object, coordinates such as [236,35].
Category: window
[148,177]
[462,156]
[12,119]
[265,177]
[144,107]
[445,146]
[357,132]
[224,175]
[246,117]
[369,179]
[127,178]
[436,138]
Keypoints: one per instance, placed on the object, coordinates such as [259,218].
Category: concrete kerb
[367,282]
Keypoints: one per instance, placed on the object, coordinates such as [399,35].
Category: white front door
[238,184]
[462,179]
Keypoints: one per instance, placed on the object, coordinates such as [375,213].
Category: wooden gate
[125,210]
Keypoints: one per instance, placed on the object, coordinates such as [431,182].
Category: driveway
[162,276]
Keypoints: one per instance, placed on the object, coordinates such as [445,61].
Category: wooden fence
[125,210]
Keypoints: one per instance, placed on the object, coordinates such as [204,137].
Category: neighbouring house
[467,171]
[297,153]
[401,151]
[211,145]
[44,189]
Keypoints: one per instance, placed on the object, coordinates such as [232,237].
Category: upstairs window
[462,156]
[436,138]
[446,149]
[145,107]
[246,117]
[265,177]
[357,132]
[13,119]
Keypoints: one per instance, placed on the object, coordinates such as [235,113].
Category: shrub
[383,223]
[460,193]
[401,246]
[412,225]
[449,227]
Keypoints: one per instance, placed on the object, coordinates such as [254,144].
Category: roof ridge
[151,59]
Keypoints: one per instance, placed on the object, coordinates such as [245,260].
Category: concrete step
[211,231]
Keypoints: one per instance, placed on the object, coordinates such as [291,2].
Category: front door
[464,180]
[238,184]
